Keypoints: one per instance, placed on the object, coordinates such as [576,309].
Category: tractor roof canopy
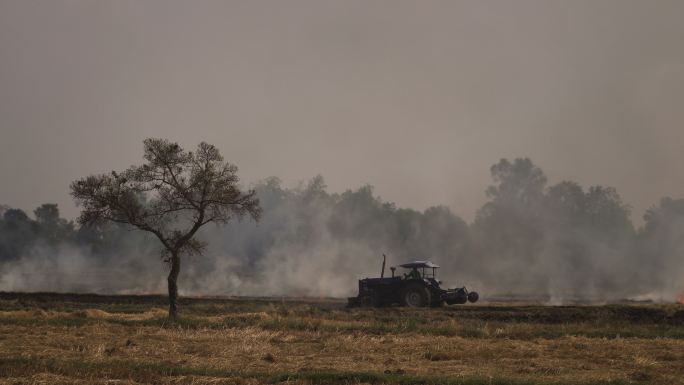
[419,264]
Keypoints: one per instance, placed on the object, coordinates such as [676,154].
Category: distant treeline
[559,241]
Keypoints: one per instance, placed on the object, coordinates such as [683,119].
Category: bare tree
[171,196]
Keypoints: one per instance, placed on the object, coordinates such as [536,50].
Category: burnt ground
[639,313]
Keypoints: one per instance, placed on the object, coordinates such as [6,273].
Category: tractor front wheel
[416,295]
[473,297]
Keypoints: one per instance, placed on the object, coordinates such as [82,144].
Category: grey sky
[417,98]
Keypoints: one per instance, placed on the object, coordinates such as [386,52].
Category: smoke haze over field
[560,242]
[416,98]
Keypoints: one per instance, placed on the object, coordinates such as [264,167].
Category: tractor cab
[421,270]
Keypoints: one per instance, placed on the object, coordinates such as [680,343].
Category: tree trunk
[173,285]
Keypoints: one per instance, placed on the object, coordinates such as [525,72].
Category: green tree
[588,240]
[508,229]
[17,232]
[661,245]
[172,196]
[53,228]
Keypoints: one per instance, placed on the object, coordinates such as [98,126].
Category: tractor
[419,287]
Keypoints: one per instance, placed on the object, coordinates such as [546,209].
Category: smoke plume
[554,242]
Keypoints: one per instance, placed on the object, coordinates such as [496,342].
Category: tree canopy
[172,196]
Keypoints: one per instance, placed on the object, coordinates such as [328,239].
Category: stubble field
[86,339]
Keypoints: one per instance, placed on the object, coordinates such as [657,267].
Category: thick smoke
[560,241]
[553,242]
[48,254]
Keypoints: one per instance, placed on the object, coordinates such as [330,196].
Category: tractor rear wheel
[415,295]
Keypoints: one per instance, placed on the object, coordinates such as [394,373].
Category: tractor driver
[413,274]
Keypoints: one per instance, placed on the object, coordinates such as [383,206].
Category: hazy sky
[417,98]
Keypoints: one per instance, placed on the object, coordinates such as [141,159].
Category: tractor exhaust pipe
[382,273]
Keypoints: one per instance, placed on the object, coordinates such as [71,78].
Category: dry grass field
[87,339]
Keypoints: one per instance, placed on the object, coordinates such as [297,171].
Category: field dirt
[48,338]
